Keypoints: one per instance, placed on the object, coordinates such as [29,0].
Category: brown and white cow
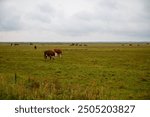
[58,52]
[49,53]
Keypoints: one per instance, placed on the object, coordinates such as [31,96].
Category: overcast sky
[74,20]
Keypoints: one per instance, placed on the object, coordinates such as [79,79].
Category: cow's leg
[53,57]
[56,54]
[60,55]
[45,57]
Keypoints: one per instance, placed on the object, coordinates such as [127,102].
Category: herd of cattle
[48,53]
[52,53]
[58,52]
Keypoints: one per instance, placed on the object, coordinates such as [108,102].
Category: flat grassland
[96,71]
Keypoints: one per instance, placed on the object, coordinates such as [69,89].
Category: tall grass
[32,88]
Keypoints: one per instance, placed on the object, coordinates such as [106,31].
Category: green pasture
[100,71]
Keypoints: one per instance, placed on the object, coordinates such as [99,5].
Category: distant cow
[58,52]
[49,53]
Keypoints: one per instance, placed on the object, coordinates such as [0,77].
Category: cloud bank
[74,20]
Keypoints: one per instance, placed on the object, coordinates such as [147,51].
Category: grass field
[96,71]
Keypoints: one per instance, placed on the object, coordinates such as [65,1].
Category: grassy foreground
[95,71]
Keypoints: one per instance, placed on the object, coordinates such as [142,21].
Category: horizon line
[74,41]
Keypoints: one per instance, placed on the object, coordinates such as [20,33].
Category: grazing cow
[58,52]
[35,47]
[49,53]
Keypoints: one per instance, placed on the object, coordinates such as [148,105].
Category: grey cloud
[146,4]
[124,18]
[9,20]
[44,13]
[7,24]
[114,17]
[15,15]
